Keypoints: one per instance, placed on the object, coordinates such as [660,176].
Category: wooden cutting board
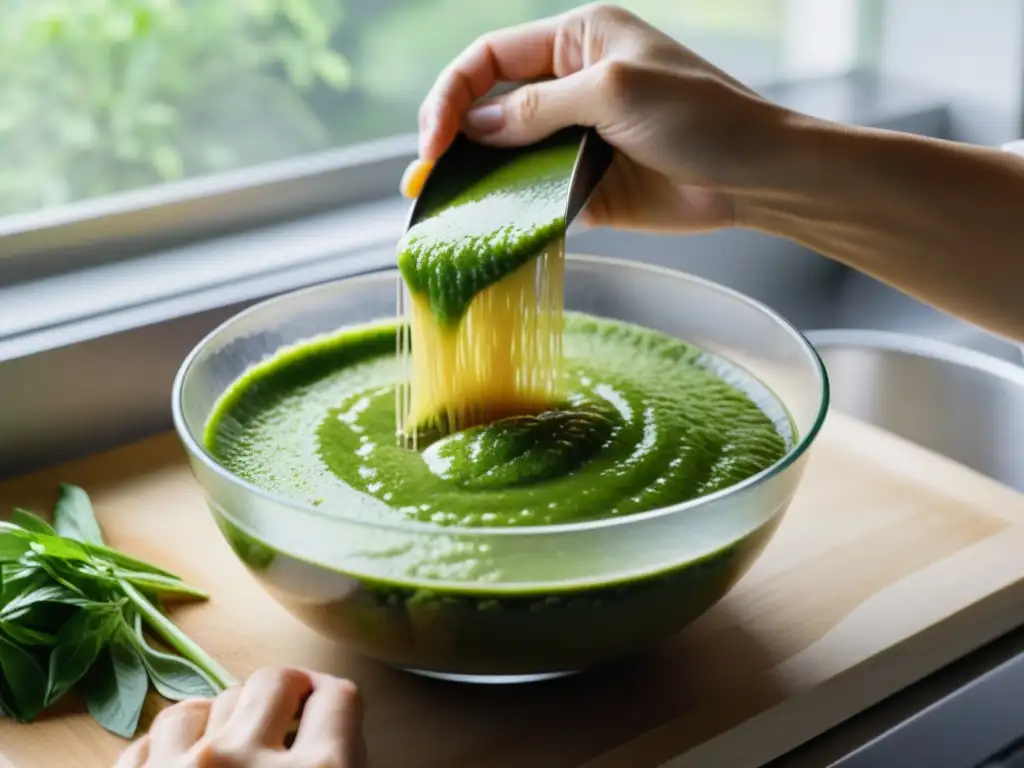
[892,562]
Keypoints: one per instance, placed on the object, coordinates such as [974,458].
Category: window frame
[43,243]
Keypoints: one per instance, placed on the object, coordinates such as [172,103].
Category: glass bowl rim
[198,450]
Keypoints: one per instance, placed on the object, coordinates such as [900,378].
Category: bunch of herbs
[74,614]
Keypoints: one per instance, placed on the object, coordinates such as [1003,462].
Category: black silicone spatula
[467,161]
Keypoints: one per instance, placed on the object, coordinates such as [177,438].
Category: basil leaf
[25,635]
[68,549]
[96,578]
[154,582]
[73,516]
[78,644]
[45,618]
[98,575]
[24,680]
[115,688]
[54,569]
[54,546]
[50,593]
[19,577]
[174,677]
[31,522]
[82,581]
[12,546]
[121,560]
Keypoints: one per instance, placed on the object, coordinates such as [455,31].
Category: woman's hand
[697,150]
[686,133]
[246,727]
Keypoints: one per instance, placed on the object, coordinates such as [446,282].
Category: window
[168,162]
[99,97]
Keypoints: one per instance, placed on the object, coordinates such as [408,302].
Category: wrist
[797,174]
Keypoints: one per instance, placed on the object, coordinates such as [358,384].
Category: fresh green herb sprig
[74,614]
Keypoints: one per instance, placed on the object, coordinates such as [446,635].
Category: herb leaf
[122,560]
[74,612]
[27,636]
[18,577]
[73,516]
[175,678]
[42,594]
[12,546]
[115,688]
[18,540]
[23,679]
[164,628]
[78,645]
[43,543]
[61,573]
[161,585]
[31,522]
[43,617]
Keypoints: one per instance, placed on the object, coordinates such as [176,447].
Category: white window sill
[77,305]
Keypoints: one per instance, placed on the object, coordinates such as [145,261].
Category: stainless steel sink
[861,302]
[959,402]
[967,405]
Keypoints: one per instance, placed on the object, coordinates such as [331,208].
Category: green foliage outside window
[101,96]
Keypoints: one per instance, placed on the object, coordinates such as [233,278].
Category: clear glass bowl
[557,599]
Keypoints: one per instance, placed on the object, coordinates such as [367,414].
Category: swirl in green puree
[649,421]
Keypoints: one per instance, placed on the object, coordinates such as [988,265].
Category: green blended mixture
[471,239]
[649,421]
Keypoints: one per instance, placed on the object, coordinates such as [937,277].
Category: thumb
[536,110]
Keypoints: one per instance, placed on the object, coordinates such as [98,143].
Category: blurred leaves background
[101,96]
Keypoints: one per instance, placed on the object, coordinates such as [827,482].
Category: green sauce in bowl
[649,421]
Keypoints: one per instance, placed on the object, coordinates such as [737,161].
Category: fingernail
[414,178]
[487,118]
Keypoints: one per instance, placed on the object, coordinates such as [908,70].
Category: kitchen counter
[969,713]
[808,639]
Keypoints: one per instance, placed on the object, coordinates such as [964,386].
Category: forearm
[939,220]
